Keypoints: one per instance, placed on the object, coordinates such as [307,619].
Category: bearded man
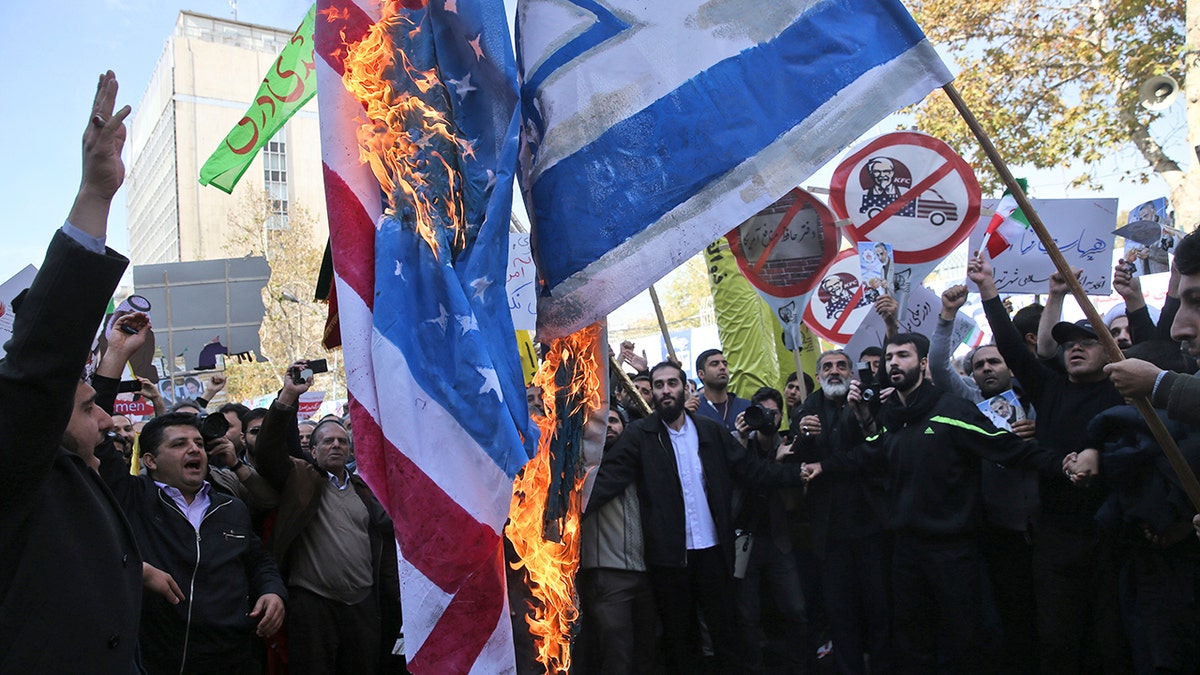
[685,466]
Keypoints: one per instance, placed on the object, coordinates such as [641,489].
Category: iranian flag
[1007,225]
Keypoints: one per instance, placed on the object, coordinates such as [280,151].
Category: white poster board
[9,290]
[1082,229]
[521,283]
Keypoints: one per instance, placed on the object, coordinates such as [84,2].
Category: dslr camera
[760,418]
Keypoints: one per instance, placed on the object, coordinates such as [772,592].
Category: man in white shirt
[685,466]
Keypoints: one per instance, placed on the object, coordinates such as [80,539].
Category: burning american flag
[418,123]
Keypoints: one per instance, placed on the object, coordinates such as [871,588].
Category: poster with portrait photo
[1150,237]
[1003,409]
[875,260]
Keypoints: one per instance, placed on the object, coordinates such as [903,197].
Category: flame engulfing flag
[545,516]
[651,128]
[418,132]
[287,87]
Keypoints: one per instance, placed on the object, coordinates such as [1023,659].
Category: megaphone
[1158,92]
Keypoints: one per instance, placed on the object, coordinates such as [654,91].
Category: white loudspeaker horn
[1158,92]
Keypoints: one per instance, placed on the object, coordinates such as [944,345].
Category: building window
[275,182]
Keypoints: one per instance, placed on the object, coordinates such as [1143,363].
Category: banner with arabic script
[1082,228]
[290,83]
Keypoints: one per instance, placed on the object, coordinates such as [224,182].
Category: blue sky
[52,60]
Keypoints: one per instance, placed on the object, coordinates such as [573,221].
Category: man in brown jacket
[335,546]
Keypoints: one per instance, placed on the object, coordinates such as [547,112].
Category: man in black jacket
[204,540]
[70,572]
[847,530]
[685,466]
[928,445]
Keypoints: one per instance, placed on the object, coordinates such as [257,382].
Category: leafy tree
[1054,83]
[292,324]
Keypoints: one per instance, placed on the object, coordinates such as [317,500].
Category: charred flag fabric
[419,127]
[652,128]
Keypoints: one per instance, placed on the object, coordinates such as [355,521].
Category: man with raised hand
[1074,577]
[335,545]
[1010,496]
[70,572]
[1177,393]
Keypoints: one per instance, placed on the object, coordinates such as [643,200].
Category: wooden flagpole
[662,325]
[1174,456]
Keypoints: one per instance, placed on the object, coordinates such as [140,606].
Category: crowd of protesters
[233,542]
[882,523]
[892,526]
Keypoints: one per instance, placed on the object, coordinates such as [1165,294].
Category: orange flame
[552,565]
[401,131]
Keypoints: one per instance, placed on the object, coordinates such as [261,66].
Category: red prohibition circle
[832,333]
[954,164]
[753,270]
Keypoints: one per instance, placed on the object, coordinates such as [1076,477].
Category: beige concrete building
[205,80]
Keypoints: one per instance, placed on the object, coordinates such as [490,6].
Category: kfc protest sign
[837,306]
[912,191]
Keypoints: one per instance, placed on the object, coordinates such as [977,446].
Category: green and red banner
[286,88]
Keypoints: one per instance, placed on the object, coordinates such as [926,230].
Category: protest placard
[521,283]
[1082,229]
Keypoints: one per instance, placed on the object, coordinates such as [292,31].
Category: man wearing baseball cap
[1073,582]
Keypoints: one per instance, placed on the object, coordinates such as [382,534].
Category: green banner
[746,325]
[291,82]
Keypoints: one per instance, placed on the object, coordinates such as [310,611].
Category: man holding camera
[334,542]
[847,533]
[763,548]
[928,443]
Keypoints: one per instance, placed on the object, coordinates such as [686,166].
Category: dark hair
[765,394]
[1027,319]
[152,434]
[869,351]
[187,403]
[252,415]
[915,339]
[235,408]
[667,364]
[838,353]
[620,413]
[314,437]
[703,358]
[1187,254]
[791,378]
[970,357]
[641,377]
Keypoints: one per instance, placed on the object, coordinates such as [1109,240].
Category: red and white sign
[309,403]
[909,190]
[781,249]
[130,406]
[838,307]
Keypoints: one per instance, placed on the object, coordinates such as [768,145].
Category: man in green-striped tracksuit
[927,444]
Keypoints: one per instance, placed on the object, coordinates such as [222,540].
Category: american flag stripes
[439,413]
